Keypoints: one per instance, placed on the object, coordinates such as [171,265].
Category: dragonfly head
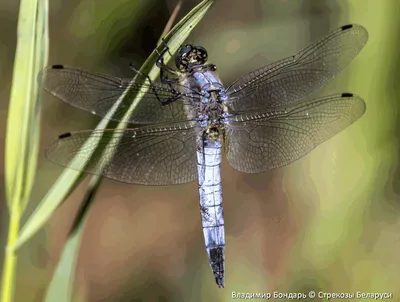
[189,55]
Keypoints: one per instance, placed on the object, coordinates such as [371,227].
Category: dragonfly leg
[210,67]
[172,99]
[169,82]
[160,64]
[160,60]
[137,71]
[165,80]
[164,70]
[148,78]
[166,45]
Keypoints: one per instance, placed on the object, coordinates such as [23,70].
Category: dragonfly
[188,119]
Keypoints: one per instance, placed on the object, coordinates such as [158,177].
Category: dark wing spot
[57,66]
[347,95]
[64,135]
[346,27]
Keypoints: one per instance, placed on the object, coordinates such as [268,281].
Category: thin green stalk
[23,125]
[10,260]
[62,282]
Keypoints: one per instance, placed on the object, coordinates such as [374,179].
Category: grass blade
[61,285]
[23,125]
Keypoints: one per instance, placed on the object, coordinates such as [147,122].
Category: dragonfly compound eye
[182,57]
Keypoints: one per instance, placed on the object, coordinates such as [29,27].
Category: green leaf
[61,285]
[70,178]
[23,125]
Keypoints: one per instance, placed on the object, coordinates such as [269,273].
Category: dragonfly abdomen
[212,214]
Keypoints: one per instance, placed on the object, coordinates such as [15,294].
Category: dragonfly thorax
[213,132]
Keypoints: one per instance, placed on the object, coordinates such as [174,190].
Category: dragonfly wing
[98,93]
[263,141]
[163,155]
[292,79]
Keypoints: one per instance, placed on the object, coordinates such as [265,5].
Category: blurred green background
[328,222]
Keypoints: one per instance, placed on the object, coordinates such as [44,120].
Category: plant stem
[10,261]
[172,18]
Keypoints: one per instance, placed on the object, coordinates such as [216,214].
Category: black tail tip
[220,282]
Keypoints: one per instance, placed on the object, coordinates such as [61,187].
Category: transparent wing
[263,141]
[292,79]
[97,93]
[149,156]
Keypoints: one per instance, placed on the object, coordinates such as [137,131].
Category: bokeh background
[329,222]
